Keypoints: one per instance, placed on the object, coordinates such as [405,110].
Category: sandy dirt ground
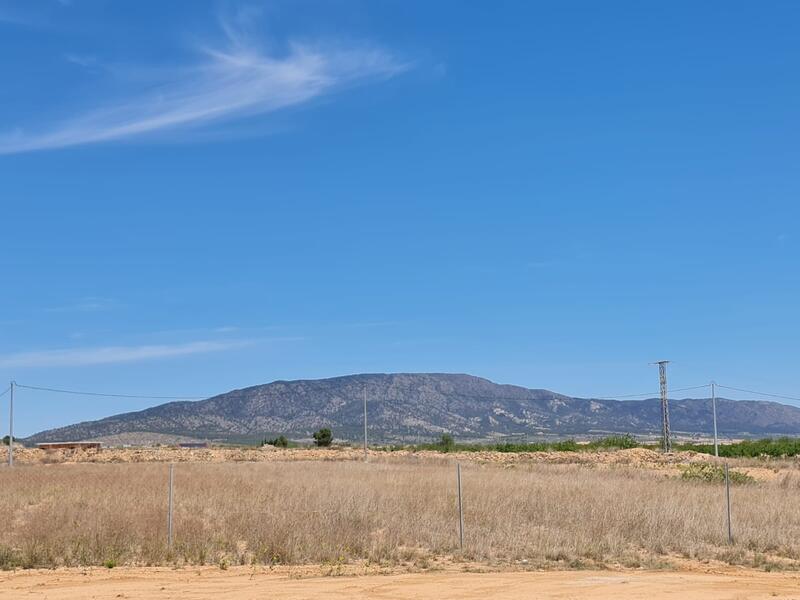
[766,470]
[243,583]
[630,457]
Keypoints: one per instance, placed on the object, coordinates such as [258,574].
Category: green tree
[323,437]
[446,442]
[278,442]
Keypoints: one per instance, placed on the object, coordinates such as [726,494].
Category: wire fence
[458,514]
[385,510]
[152,514]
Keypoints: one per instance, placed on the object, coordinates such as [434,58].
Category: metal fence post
[169,510]
[11,427]
[460,509]
[366,450]
[728,502]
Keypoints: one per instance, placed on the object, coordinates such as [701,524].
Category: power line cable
[646,396]
[727,387]
[622,396]
[147,397]
[694,387]
[652,394]
[135,396]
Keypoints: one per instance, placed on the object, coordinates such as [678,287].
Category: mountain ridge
[408,406]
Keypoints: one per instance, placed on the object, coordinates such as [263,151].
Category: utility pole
[11,428]
[714,408]
[662,379]
[366,456]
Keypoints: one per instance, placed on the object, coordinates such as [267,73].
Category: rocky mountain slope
[408,407]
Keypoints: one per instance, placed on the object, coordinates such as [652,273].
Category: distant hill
[408,406]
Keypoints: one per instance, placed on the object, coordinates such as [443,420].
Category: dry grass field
[393,511]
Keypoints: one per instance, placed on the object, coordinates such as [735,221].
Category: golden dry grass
[334,512]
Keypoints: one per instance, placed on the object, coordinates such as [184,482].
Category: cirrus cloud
[80,357]
[227,81]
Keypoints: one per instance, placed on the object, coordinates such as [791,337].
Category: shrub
[566,446]
[278,442]
[323,437]
[777,447]
[714,474]
[9,558]
[446,442]
[621,442]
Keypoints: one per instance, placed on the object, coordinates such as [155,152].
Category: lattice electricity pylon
[662,380]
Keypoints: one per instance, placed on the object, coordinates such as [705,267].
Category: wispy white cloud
[79,357]
[233,80]
[25,14]
[88,304]
[226,329]
[12,18]
[82,60]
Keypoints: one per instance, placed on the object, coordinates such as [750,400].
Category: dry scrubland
[396,510]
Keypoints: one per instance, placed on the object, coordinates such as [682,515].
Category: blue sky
[199,196]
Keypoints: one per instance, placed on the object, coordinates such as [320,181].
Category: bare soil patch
[452,584]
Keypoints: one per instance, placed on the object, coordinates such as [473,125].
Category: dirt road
[246,584]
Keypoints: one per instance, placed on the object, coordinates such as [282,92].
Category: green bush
[446,442]
[9,558]
[323,437]
[713,474]
[776,447]
[278,442]
[621,442]
[565,446]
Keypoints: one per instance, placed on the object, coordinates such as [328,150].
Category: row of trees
[322,438]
